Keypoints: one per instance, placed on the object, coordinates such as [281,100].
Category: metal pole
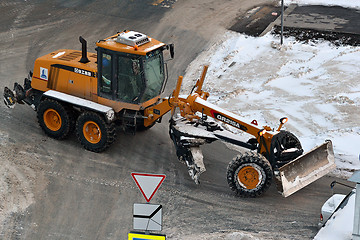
[282,22]
[356,229]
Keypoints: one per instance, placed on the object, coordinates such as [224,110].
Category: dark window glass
[106,74]
[154,75]
[130,84]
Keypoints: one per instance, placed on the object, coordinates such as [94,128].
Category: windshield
[130,85]
[154,74]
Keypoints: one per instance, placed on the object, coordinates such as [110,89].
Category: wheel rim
[52,119]
[92,132]
[249,177]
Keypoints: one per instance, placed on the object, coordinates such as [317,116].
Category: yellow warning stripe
[133,236]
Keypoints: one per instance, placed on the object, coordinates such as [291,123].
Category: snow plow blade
[306,169]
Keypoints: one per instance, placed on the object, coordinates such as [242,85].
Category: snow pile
[225,235]
[342,3]
[340,225]
[315,85]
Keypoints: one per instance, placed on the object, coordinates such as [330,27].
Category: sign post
[282,23]
[147,217]
[356,228]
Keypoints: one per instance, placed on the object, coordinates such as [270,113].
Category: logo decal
[75,70]
[156,111]
[82,71]
[229,121]
[44,73]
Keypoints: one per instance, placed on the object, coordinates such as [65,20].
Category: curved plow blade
[306,169]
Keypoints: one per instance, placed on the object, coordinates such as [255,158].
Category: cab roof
[130,42]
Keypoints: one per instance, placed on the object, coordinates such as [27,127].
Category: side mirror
[172,50]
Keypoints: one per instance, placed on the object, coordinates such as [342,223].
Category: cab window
[106,73]
[154,75]
[129,79]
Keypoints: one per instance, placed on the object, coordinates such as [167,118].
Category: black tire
[249,175]
[73,115]
[54,119]
[280,142]
[94,133]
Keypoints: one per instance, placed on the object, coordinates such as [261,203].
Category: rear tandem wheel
[249,174]
[94,133]
[54,119]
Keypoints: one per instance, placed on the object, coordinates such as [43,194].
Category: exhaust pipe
[84,58]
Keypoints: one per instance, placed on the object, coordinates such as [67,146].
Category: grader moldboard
[121,85]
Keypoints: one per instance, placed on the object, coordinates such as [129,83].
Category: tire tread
[248,157]
[108,132]
[68,122]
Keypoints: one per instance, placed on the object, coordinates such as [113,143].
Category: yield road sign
[147,217]
[148,183]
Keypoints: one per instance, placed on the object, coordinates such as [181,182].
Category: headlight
[110,115]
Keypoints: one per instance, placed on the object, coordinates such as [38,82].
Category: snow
[342,3]
[340,225]
[193,131]
[315,85]
[331,204]
[224,235]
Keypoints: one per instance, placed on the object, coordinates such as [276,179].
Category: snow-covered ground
[315,85]
[238,235]
[342,3]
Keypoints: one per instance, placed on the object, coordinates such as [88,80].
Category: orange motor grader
[121,85]
[91,92]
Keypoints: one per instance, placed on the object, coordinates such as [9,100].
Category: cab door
[120,76]
[106,83]
[130,83]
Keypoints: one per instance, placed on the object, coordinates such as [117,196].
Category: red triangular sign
[148,183]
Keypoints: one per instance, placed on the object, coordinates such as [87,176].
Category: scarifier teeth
[9,102]
[9,98]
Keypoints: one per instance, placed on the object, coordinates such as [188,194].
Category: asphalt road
[67,192]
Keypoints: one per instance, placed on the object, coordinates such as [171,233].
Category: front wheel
[249,174]
[94,133]
[285,147]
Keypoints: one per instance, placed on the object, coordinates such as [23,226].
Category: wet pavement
[336,24]
[256,20]
[323,18]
